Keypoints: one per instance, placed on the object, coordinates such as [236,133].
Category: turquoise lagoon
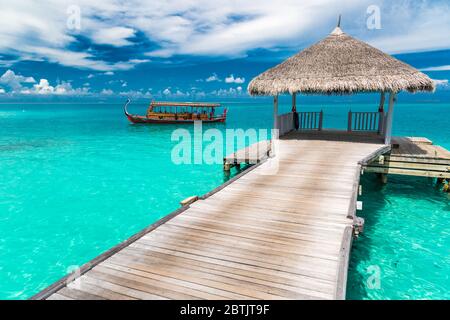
[77,179]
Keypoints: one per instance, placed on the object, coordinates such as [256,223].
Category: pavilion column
[275,117]
[382,99]
[294,102]
[388,122]
[381,109]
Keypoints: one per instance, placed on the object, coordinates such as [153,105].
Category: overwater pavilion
[341,65]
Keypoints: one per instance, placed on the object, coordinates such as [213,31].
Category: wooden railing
[365,121]
[285,123]
[310,120]
[306,121]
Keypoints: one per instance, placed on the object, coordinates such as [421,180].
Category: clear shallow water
[406,241]
[77,179]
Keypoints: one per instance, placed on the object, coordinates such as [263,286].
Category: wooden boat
[178,112]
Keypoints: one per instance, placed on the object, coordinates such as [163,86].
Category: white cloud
[438,68]
[232,79]
[64,88]
[107,92]
[231,92]
[21,85]
[167,92]
[43,87]
[109,73]
[115,36]
[137,93]
[90,76]
[15,81]
[441,82]
[38,30]
[212,78]
[2,91]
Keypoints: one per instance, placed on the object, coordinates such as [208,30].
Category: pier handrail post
[320,120]
[389,116]
[380,122]
[349,127]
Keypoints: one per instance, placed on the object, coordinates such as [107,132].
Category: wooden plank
[406,172]
[412,165]
[344,260]
[230,269]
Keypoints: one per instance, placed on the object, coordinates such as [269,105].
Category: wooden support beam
[227,167]
[388,122]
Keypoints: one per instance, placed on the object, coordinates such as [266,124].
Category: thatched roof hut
[340,64]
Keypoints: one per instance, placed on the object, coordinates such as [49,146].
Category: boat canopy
[185,104]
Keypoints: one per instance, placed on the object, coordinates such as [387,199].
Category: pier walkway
[268,234]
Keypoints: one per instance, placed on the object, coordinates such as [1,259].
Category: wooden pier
[280,230]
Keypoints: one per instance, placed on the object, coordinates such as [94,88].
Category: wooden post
[275,117]
[320,120]
[294,102]
[388,122]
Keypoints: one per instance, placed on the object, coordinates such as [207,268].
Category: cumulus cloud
[167,92]
[14,81]
[63,88]
[2,91]
[212,78]
[232,79]
[19,84]
[230,92]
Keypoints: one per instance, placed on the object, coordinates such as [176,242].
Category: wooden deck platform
[280,230]
[252,154]
[413,156]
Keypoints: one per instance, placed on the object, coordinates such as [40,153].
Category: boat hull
[141,119]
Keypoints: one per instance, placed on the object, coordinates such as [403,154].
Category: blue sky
[194,50]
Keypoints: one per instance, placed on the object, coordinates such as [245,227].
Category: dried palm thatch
[340,64]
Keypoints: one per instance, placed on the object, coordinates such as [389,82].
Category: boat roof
[185,104]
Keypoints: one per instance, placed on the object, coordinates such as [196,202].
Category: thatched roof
[340,64]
